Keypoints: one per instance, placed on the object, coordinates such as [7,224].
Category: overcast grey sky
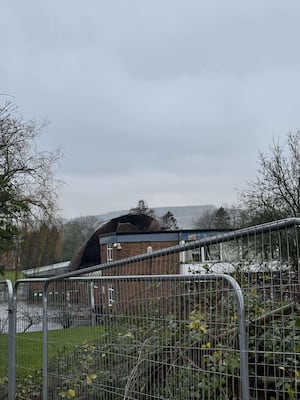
[163,100]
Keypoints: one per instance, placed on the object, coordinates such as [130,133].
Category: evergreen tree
[221,219]
[142,208]
[168,221]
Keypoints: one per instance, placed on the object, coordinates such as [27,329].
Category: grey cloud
[232,40]
[187,89]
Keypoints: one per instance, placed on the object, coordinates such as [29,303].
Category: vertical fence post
[11,335]
[12,320]
[243,342]
[45,341]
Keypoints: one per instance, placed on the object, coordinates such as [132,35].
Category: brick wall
[168,264]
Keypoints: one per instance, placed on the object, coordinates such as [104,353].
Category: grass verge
[30,347]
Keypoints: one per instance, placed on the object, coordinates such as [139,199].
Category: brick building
[121,239]
[134,234]
[131,235]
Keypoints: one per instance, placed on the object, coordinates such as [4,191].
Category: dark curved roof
[89,253]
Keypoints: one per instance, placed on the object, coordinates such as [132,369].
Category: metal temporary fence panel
[267,268]
[145,337]
[7,341]
[264,260]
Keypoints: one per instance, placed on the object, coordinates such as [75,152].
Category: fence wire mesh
[29,338]
[264,261]
[156,337]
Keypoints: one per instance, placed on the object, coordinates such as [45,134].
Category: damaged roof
[89,253]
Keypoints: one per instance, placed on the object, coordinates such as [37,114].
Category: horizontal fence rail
[238,242]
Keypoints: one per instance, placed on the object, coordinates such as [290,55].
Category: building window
[109,253]
[195,256]
[149,249]
[202,254]
[111,295]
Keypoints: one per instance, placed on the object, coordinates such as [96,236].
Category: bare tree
[28,317]
[206,220]
[28,188]
[214,219]
[75,232]
[3,324]
[275,193]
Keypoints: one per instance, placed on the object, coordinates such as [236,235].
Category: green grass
[12,275]
[30,346]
